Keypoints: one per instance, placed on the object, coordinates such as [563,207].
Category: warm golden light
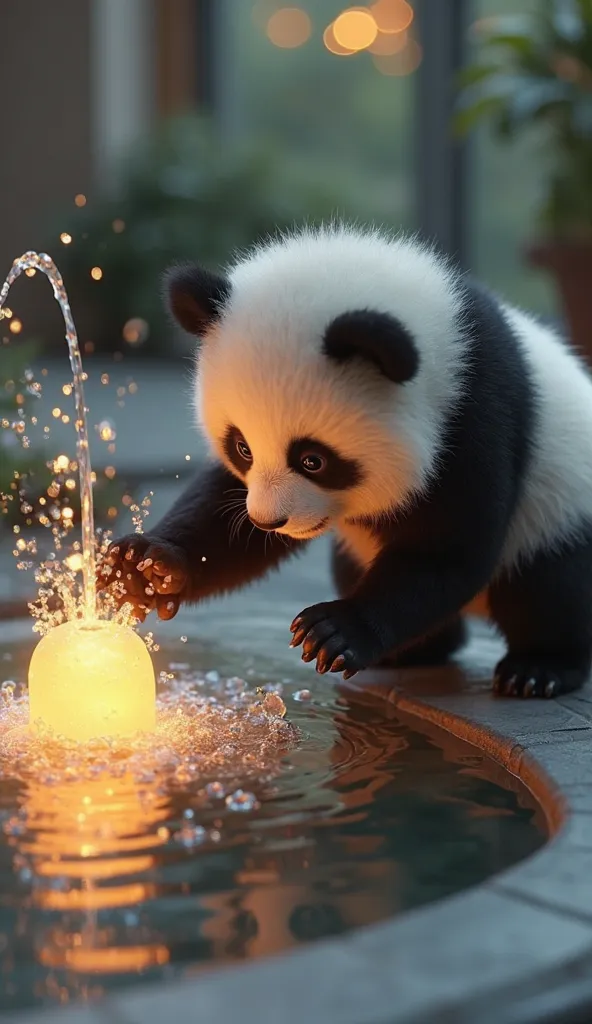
[61,464]
[16,326]
[65,237]
[91,680]
[106,431]
[80,199]
[392,15]
[332,45]
[96,273]
[74,561]
[135,331]
[289,27]
[355,29]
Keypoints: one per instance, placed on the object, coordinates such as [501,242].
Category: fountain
[89,676]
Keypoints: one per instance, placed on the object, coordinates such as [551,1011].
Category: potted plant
[536,71]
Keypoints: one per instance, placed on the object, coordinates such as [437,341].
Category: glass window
[505,189]
[287,78]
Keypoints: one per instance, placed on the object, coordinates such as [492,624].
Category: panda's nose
[269,526]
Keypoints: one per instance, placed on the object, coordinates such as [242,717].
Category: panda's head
[323,373]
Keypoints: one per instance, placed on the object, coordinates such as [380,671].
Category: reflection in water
[107,879]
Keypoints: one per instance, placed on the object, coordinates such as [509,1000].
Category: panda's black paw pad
[520,677]
[334,634]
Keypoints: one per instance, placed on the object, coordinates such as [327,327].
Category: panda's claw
[536,677]
[511,686]
[334,634]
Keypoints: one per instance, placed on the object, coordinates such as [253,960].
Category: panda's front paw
[335,634]
[145,572]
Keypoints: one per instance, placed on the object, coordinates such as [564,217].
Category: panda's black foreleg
[204,545]
[544,610]
[434,648]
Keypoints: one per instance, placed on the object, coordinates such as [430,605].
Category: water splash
[41,261]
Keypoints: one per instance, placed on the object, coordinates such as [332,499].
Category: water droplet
[241,800]
[274,705]
[183,639]
[191,835]
[302,695]
[215,790]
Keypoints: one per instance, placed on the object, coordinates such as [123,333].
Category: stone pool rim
[515,949]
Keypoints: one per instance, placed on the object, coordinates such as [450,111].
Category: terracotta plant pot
[570,263]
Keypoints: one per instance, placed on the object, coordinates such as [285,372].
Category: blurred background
[136,132]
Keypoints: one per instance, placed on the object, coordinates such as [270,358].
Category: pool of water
[347,816]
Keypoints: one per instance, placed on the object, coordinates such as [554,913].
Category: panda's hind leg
[544,610]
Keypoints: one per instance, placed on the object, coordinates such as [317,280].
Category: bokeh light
[289,27]
[106,430]
[400,64]
[15,326]
[135,331]
[388,43]
[65,238]
[80,199]
[355,29]
[96,273]
[333,46]
[392,15]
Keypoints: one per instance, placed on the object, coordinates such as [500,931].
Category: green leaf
[468,118]
[523,45]
[474,73]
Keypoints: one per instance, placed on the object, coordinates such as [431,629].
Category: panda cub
[357,384]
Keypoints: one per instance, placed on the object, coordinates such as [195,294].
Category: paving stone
[567,759]
[559,876]
[578,829]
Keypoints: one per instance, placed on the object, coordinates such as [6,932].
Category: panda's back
[556,500]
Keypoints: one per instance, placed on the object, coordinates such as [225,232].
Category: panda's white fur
[262,368]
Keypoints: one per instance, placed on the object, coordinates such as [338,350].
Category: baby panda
[358,384]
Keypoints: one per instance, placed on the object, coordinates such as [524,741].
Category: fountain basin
[368,813]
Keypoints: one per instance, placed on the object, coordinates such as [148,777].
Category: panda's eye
[313,463]
[243,450]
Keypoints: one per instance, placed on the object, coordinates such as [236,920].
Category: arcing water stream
[32,261]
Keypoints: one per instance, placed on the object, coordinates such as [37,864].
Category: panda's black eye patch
[322,464]
[237,450]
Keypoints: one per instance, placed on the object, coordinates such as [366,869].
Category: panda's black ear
[195,296]
[377,337]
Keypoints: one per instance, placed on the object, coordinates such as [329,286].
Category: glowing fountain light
[88,677]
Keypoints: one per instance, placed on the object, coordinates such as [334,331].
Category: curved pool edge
[515,950]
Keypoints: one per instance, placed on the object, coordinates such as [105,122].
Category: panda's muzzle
[277,525]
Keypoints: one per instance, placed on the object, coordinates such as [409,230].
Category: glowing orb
[90,680]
